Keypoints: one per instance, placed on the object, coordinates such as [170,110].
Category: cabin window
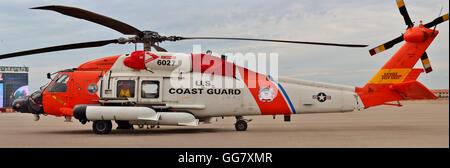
[60,84]
[125,88]
[150,89]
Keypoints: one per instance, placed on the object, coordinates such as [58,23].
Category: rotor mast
[148,41]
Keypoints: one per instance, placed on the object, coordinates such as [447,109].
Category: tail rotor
[410,24]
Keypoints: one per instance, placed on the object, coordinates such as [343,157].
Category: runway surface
[416,124]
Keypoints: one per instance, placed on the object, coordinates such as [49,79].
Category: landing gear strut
[241,123]
[102,126]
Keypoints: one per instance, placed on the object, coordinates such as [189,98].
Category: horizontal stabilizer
[413,90]
[379,94]
[414,74]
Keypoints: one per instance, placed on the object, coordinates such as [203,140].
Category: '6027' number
[166,62]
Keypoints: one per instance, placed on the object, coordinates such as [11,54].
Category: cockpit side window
[59,84]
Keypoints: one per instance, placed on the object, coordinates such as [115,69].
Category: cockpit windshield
[62,79]
[59,84]
[36,97]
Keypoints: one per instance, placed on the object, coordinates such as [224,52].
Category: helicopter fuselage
[200,85]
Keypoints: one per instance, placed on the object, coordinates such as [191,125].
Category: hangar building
[13,84]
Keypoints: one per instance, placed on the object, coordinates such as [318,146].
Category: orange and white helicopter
[148,88]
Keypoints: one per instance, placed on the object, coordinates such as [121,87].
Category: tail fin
[397,79]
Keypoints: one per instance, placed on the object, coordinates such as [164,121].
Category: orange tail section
[397,79]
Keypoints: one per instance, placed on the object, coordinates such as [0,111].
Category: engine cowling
[144,60]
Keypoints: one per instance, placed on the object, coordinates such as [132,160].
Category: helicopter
[154,88]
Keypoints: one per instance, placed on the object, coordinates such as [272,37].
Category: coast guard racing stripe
[278,104]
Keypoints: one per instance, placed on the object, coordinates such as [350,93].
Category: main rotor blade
[269,40]
[386,45]
[60,47]
[94,17]
[437,21]
[401,6]
[159,49]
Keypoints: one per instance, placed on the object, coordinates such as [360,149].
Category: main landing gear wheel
[102,126]
[241,125]
[124,125]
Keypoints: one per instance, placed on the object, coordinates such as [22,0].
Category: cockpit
[59,83]
[33,103]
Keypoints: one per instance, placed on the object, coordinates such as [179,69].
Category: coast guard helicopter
[153,88]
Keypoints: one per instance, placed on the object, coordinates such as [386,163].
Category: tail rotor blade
[401,6]
[386,46]
[437,21]
[426,62]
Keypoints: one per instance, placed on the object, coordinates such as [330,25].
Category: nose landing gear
[67,119]
[36,117]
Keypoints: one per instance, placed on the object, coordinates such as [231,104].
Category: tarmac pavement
[416,124]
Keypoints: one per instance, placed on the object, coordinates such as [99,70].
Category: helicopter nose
[21,105]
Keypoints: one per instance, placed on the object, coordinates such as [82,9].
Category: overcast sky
[369,22]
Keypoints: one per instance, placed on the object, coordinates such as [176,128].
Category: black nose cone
[21,105]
